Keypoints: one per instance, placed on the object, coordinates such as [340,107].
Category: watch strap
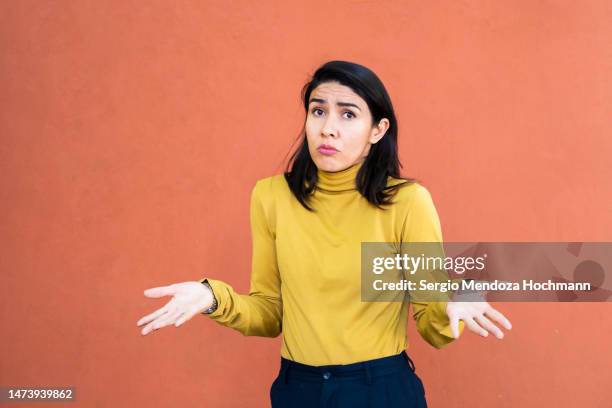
[215,304]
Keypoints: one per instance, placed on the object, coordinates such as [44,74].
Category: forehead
[333,91]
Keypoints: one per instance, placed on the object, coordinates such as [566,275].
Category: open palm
[479,317]
[188,300]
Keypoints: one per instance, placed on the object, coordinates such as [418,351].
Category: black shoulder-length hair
[382,160]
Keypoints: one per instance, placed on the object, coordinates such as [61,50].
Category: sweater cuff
[218,293]
[441,322]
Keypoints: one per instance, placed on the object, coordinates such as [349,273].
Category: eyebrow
[339,103]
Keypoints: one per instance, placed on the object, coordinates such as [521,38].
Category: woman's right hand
[188,300]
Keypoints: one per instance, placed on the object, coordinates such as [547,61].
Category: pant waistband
[365,370]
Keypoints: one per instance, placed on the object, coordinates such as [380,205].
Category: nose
[329,128]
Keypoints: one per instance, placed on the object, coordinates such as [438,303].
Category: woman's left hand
[478,317]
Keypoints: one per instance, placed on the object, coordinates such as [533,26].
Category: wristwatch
[215,304]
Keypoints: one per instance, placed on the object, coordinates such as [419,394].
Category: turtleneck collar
[343,180]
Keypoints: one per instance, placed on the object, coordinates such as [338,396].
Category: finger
[152,316]
[153,325]
[167,320]
[147,329]
[498,317]
[475,327]
[185,317]
[160,291]
[454,325]
[489,326]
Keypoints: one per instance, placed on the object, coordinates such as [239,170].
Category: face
[339,127]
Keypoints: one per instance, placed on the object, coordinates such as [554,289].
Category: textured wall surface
[133,132]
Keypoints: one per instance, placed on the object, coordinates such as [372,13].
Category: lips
[327,149]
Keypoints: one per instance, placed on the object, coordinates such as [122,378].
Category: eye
[315,110]
[318,112]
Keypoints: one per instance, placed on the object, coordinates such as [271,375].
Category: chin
[328,163]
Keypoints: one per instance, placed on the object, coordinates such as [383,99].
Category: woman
[342,187]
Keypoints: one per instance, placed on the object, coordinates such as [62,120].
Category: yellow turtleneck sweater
[306,272]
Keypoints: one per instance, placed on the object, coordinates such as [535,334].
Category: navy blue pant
[383,382]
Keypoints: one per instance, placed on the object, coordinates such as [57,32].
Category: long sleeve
[422,224]
[260,312]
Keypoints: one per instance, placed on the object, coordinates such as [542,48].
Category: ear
[379,130]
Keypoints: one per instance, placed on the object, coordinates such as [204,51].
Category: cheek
[313,131]
[309,127]
[310,133]
[357,139]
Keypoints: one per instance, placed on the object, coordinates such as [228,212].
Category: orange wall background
[133,132]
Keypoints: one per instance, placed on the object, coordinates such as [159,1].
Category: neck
[342,180]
